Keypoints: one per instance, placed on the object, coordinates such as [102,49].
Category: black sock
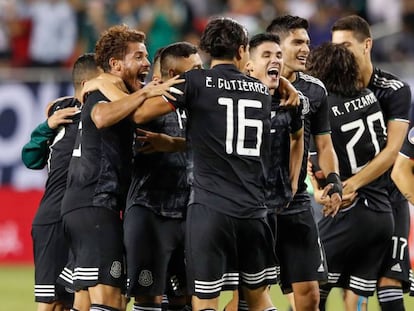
[391,298]
[164,303]
[242,305]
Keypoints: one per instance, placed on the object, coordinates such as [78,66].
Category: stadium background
[29,80]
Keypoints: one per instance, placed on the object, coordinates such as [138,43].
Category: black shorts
[221,250]
[66,276]
[355,243]
[299,250]
[150,241]
[50,257]
[176,277]
[396,263]
[95,237]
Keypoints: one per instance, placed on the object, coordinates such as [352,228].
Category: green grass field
[16,293]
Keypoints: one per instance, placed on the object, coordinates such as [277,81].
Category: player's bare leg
[106,295]
[82,301]
[53,306]
[258,299]
[351,301]
[290,297]
[306,296]
[233,304]
[205,304]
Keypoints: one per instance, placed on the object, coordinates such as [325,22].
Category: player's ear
[240,52]
[249,67]
[368,45]
[171,73]
[115,64]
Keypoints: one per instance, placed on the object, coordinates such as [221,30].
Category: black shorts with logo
[95,236]
[222,250]
[153,244]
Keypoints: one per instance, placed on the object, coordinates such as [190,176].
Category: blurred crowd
[52,33]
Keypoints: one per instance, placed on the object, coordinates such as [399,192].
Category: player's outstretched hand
[289,95]
[61,117]
[167,89]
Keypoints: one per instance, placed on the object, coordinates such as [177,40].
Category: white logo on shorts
[145,278]
[396,268]
[116,269]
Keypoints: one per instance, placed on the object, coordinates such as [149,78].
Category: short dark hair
[84,69]
[258,39]
[157,54]
[175,50]
[336,67]
[282,25]
[114,42]
[354,23]
[222,38]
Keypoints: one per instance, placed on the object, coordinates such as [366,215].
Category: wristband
[333,178]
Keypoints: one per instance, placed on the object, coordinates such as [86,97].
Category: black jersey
[316,122]
[60,152]
[407,149]
[99,171]
[228,130]
[358,135]
[394,97]
[283,123]
[159,180]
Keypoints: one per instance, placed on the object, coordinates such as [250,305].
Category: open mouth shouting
[273,73]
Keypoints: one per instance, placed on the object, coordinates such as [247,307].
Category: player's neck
[366,73]
[290,75]
[216,62]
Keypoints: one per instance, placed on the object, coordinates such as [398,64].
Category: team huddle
[169,192]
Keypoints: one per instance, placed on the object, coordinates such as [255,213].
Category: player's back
[228,127]
[358,135]
[60,153]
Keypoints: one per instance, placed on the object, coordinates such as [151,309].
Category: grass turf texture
[16,293]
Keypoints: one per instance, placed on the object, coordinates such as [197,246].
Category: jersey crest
[305,102]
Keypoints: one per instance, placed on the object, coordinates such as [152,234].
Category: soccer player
[403,170]
[297,232]
[157,200]
[99,171]
[355,240]
[51,144]
[394,97]
[227,235]
[286,133]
